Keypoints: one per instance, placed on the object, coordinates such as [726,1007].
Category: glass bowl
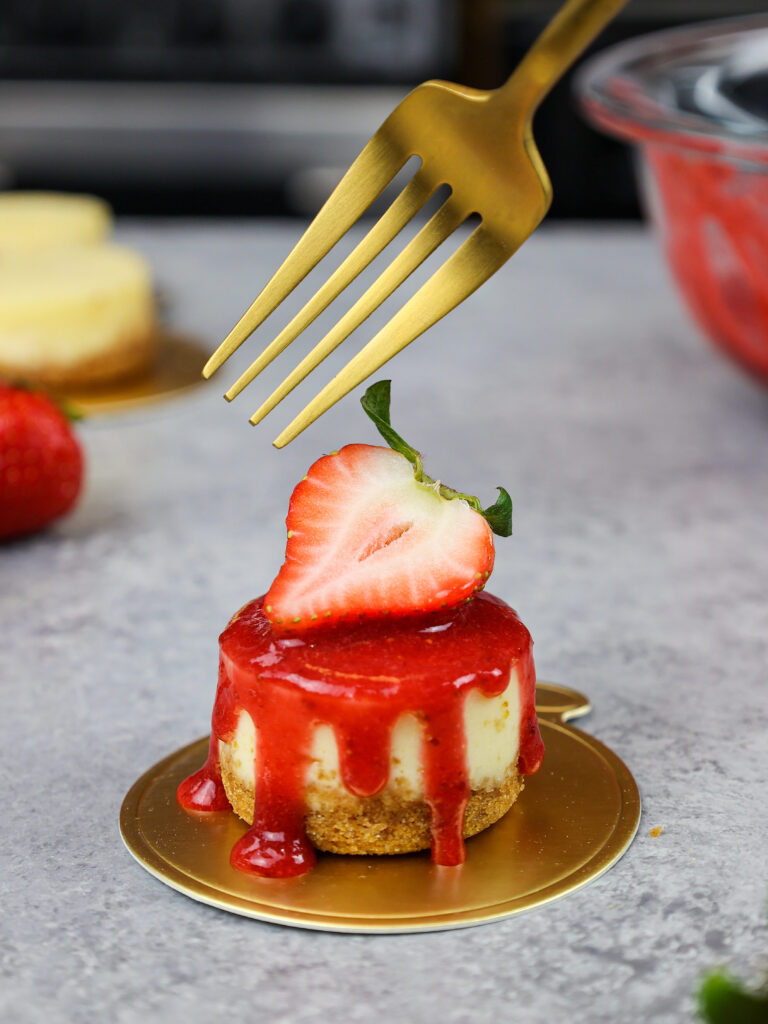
[695,102]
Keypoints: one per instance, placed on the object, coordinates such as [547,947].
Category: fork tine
[400,212]
[434,232]
[368,175]
[474,262]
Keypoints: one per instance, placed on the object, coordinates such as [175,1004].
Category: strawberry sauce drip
[276,844]
[444,756]
[204,790]
[360,679]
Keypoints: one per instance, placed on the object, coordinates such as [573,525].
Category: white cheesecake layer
[61,306]
[492,730]
[36,220]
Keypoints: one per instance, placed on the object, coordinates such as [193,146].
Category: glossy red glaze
[204,790]
[360,679]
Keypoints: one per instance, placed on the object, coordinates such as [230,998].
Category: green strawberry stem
[65,407]
[68,410]
[376,402]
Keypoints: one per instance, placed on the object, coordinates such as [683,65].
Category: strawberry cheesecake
[376,700]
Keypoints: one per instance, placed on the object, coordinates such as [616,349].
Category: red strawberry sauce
[712,215]
[359,679]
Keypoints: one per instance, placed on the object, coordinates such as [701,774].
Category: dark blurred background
[248,107]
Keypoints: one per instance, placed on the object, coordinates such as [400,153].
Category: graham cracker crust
[387,823]
[127,357]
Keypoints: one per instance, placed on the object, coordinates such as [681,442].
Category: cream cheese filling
[491,726]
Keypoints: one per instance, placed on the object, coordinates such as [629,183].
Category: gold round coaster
[574,820]
[177,367]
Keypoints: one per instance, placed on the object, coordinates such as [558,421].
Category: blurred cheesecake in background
[75,315]
[75,309]
[35,220]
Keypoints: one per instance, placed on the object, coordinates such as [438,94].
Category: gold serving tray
[574,820]
[177,368]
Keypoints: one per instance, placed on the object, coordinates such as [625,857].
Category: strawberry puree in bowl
[695,101]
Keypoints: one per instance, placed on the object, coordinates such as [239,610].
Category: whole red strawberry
[41,464]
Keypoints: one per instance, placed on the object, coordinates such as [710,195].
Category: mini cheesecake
[41,220]
[376,700]
[76,315]
[379,737]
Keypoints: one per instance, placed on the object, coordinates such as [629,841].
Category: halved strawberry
[370,534]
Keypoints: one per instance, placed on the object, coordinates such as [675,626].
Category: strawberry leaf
[375,403]
[499,515]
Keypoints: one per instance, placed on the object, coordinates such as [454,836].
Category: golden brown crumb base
[128,357]
[387,823]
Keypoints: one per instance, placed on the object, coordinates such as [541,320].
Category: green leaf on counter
[723,1000]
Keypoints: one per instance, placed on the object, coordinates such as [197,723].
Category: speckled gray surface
[638,463]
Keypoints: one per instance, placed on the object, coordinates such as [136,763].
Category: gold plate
[177,367]
[574,820]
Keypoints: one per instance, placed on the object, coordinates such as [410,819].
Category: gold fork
[481,145]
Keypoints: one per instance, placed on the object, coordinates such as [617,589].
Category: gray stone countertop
[637,459]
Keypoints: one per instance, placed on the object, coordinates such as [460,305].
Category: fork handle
[570,31]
